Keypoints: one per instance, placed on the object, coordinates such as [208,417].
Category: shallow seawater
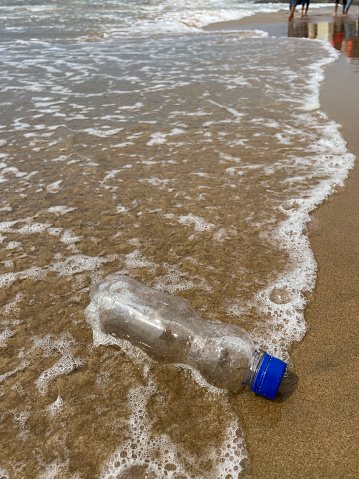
[342,34]
[187,161]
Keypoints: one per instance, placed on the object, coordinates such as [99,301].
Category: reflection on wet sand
[342,33]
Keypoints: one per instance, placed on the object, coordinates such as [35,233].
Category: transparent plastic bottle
[169,330]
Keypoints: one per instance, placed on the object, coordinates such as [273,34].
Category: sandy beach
[314,433]
[135,142]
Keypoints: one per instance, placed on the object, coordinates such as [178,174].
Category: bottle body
[168,329]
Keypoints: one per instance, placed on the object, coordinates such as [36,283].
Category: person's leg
[291,13]
[336,7]
[348,6]
[292,5]
[344,5]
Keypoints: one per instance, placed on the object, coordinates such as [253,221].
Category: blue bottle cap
[269,376]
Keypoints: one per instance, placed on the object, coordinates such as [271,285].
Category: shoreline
[314,433]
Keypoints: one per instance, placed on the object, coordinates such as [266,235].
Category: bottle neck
[254,367]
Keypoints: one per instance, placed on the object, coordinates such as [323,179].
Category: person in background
[348,6]
[336,6]
[305,4]
[292,5]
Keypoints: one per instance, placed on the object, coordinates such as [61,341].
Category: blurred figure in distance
[336,6]
[292,5]
[305,6]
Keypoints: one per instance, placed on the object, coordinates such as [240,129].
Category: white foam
[54,187]
[54,231]
[9,263]
[7,279]
[283,299]
[156,181]
[136,106]
[4,474]
[288,324]
[5,335]
[13,245]
[311,101]
[69,238]
[122,209]
[72,265]
[78,263]
[57,469]
[22,366]
[56,406]
[136,260]
[103,133]
[65,365]
[20,418]
[174,281]
[32,228]
[60,210]
[12,171]
[171,459]
[199,223]
[7,172]
[157,139]
[233,111]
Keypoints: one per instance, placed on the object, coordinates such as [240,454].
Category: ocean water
[133,140]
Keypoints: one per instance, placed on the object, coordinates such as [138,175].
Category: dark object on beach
[305,6]
[344,2]
[292,5]
[169,330]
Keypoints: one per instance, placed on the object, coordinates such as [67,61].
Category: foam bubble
[21,418]
[4,474]
[54,231]
[139,451]
[6,226]
[7,278]
[57,469]
[157,139]
[13,245]
[12,171]
[103,133]
[157,181]
[70,266]
[136,260]
[32,228]
[60,210]
[9,263]
[56,406]
[281,295]
[54,187]
[65,365]
[199,223]
[174,281]
[22,366]
[68,237]
[121,209]
[5,335]
[28,228]
[78,263]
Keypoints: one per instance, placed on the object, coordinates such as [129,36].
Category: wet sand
[314,433]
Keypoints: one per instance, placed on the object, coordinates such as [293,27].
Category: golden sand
[314,433]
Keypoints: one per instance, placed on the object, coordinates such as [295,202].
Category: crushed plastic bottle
[169,330]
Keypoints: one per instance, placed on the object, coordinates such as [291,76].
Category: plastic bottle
[168,329]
